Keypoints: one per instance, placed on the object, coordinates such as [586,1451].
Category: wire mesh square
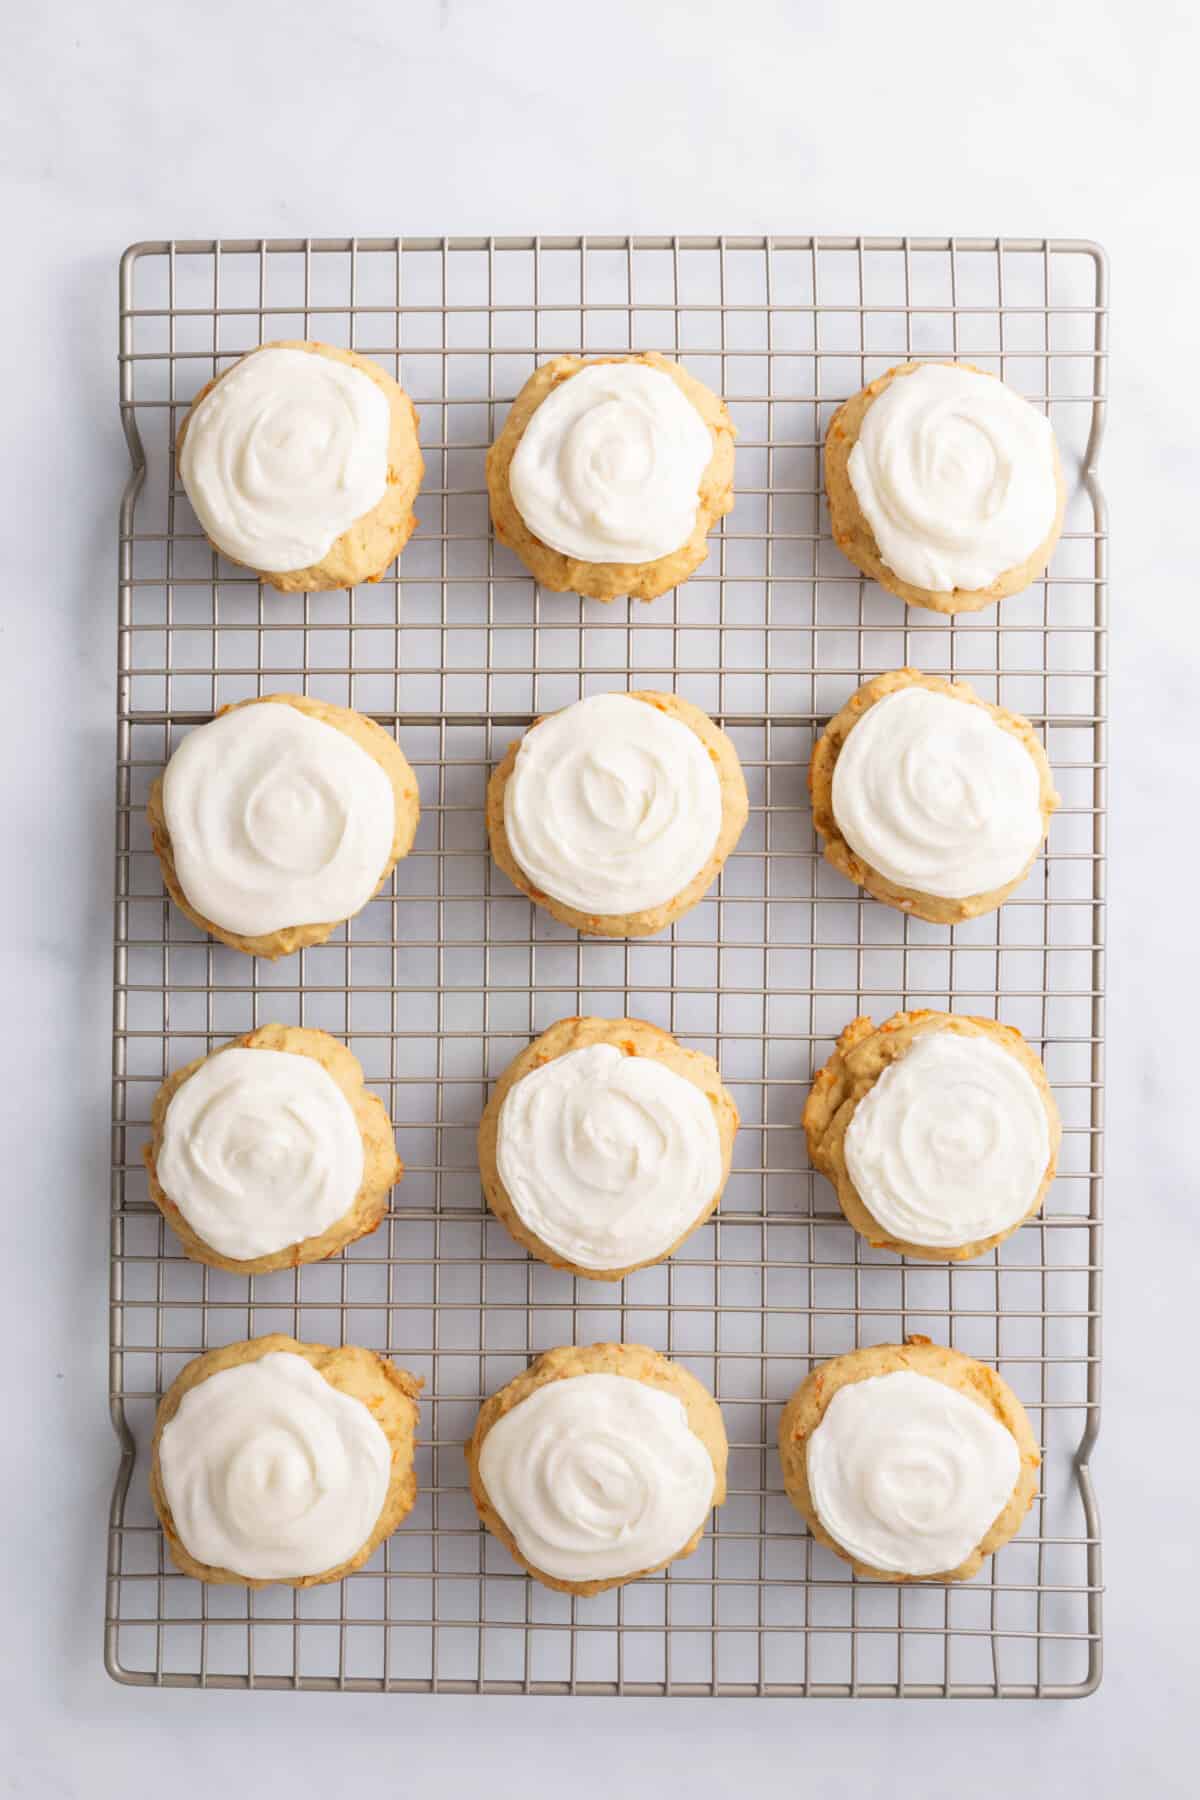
[447,974]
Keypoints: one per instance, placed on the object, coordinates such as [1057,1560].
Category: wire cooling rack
[444,977]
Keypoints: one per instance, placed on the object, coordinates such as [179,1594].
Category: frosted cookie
[932,799]
[280,1461]
[939,1132]
[598,1466]
[608,475]
[270,1152]
[302,463]
[910,1461]
[605,1145]
[280,819]
[617,813]
[944,486]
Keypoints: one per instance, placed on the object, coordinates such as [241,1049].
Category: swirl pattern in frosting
[936,796]
[907,1474]
[952,1143]
[283,455]
[612,806]
[276,819]
[260,1149]
[271,1472]
[608,1158]
[598,1477]
[608,468]
[955,474]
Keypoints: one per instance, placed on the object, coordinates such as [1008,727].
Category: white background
[123,121]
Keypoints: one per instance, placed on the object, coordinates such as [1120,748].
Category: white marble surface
[247,117]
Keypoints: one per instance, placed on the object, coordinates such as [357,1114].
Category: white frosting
[952,1142]
[597,1477]
[954,473]
[283,455]
[276,819]
[907,1474]
[608,468]
[260,1149]
[936,796]
[271,1472]
[612,806]
[608,1158]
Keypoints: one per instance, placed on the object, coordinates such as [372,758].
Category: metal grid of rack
[443,977]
